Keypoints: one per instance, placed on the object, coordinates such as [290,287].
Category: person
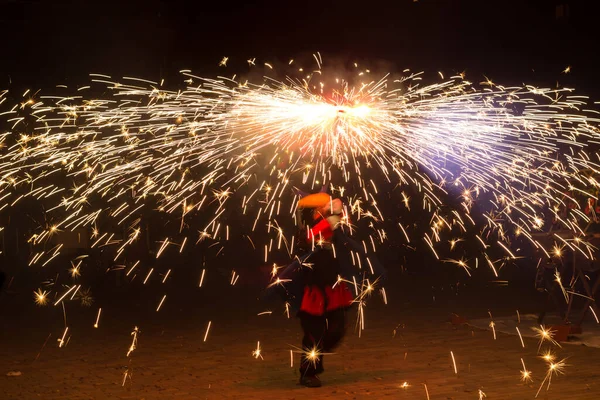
[2,279]
[547,283]
[314,284]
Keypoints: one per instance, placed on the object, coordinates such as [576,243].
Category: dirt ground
[403,353]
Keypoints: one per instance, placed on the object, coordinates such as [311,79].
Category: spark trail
[221,146]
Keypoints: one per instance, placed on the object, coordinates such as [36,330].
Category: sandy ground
[590,336]
[401,343]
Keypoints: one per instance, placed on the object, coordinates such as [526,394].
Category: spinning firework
[222,147]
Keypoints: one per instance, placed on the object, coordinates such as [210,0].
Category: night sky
[45,43]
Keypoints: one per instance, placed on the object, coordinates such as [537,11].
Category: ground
[402,342]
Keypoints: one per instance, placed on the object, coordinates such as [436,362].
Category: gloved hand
[325,228]
[335,211]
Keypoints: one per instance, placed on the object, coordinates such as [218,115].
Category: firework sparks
[66,294]
[454,363]
[207,330]
[61,341]
[313,356]
[426,391]
[161,302]
[520,337]
[525,373]
[201,278]
[126,375]
[41,297]
[493,326]
[97,318]
[223,123]
[256,353]
[545,335]
[134,340]
[594,313]
[222,146]
[554,368]
[548,356]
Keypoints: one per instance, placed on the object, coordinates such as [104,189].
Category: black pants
[554,296]
[321,334]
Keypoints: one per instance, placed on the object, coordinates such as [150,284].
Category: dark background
[45,43]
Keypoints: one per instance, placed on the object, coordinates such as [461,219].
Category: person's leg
[551,287]
[556,297]
[314,328]
[311,363]
[336,329]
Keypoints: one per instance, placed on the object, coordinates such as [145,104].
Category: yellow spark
[520,337]
[133,345]
[61,341]
[126,375]
[202,278]
[74,271]
[161,302]
[256,353]
[525,374]
[554,368]
[41,297]
[207,329]
[548,356]
[454,362]
[493,326]
[594,313]
[545,334]
[97,318]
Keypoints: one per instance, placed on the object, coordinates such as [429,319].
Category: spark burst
[545,335]
[256,353]
[41,297]
[554,368]
[525,373]
[134,340]
[222,146]
[148,141]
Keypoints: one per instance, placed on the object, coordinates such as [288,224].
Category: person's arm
[325,228]
[344,245]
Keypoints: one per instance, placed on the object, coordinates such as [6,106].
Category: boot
[310,381]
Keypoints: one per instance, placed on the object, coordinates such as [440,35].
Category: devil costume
[315,283]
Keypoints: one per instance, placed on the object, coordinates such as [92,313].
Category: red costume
[325,298]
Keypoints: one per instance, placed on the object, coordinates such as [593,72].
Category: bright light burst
[225,146]
[545,335]
[521,145]
[41,297]
[554,368]
[525,373]
[256,353]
